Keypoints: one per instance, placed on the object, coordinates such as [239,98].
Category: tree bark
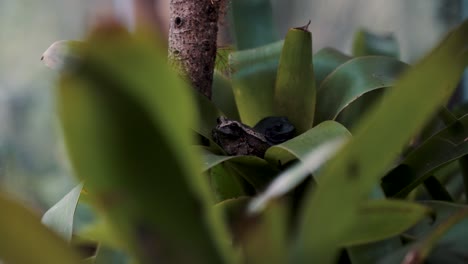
[192,40]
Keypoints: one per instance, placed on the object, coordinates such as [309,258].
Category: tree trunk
[192,40]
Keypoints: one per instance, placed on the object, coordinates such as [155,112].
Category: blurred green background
[33,163]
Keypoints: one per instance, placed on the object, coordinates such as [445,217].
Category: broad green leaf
[380,219]
[253,81]
[366,43]
[24,239]
[60,216]
[441,238]
[252,23]
[440,149]
[352,174]
[326,61]
[226,183]
[295,84]
[292,177]
[126,119]
[256,171]
[353,79]
[298,147]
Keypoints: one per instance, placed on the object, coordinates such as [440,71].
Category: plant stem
[192,40]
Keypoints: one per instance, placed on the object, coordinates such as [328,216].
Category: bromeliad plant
[355,138]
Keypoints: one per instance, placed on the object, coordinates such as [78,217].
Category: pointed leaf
[295,84]
[61,53]
[60,216]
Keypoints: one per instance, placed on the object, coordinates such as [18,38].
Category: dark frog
[277,129]
[237,138]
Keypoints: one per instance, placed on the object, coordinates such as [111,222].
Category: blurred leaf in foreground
[380,136]
[133,153]
[24,239]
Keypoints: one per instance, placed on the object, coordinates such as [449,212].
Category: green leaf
[440,149]
[60,216]
[381,219]
[24,239]
[252,23]
[253,81]
[256,171]
[311,148]
[295,84]
[439,239]
[353,79]
[326,61]
[126,119]
[352,174]
[226,183]
[366,43]
[292,177]
[298,147]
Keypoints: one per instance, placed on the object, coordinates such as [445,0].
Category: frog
[276,129]
[237,138]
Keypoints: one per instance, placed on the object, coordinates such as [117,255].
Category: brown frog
[239,139]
